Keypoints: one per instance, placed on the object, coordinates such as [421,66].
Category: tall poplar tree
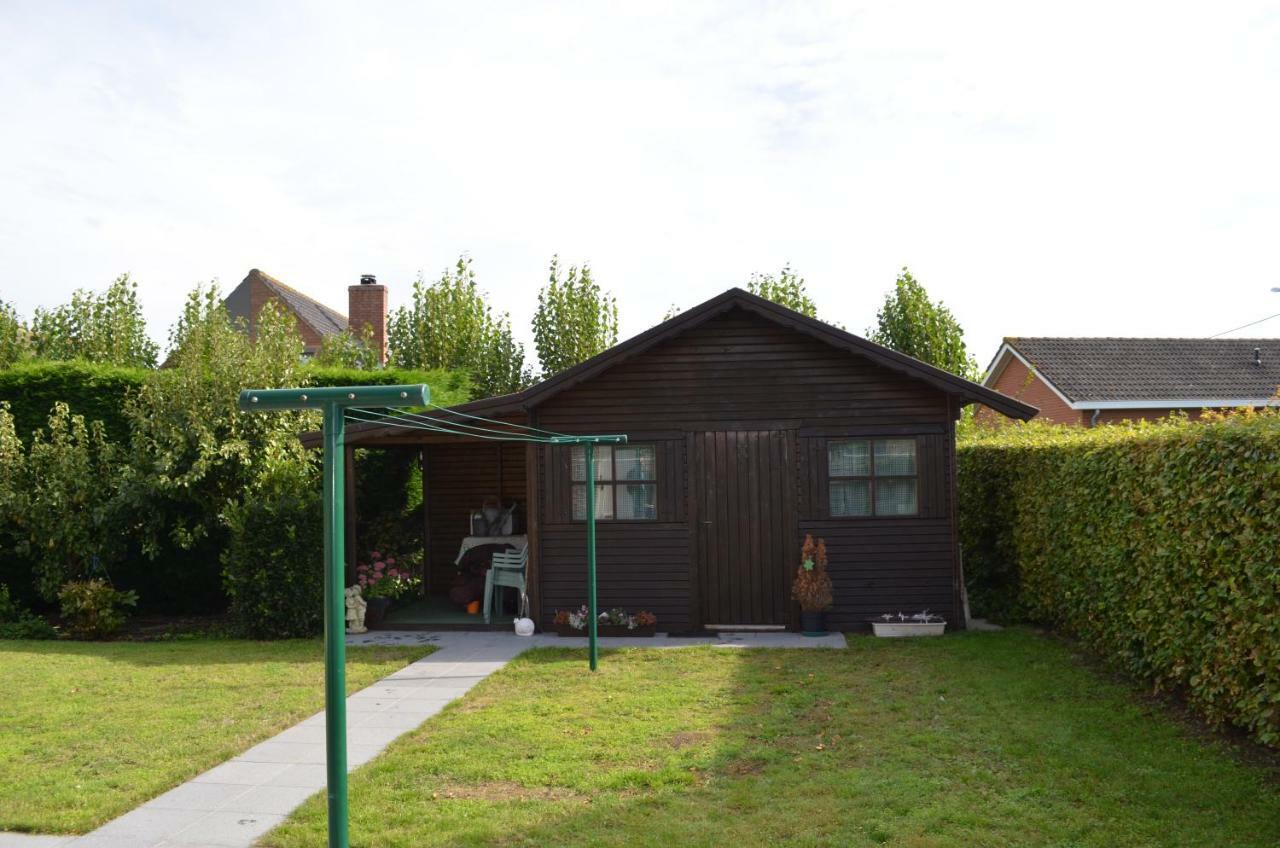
[575,319]
[911,323]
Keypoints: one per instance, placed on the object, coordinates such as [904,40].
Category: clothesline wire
[492,421]
[427,419]
[391,421]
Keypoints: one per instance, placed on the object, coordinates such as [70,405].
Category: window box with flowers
[381,582]
[614,622]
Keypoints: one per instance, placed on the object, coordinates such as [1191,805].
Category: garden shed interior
[749,425]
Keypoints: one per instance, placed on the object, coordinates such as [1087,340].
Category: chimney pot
[368,280]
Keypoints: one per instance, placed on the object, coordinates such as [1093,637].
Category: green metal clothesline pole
[333,403]
[589,454]
[593,622]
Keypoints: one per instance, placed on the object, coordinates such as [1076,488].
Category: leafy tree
[15,336]
[192,452]
[575,320]
[449,324]
[348,349]
[106,327]
[63,506]
[787,289]
[911,323]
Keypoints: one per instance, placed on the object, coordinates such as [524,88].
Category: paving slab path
[233,804]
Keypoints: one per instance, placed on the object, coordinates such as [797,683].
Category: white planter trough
[899,626]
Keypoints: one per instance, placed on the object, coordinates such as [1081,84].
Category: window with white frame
[867,477]
[626,482]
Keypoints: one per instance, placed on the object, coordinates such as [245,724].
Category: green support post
[333,402]
[335,625]
[593,623]
[589,453]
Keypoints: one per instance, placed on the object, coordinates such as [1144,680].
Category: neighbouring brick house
[1088,381]
[367,305]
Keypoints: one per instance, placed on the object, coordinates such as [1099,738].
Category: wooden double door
[742,492]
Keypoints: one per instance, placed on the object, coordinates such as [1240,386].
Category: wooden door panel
[741,503]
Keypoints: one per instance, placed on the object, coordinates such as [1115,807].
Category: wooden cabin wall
[459,477]
[740,372]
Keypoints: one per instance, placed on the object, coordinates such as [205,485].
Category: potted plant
[812,587]
[381,582]
[614,622]
[897,625]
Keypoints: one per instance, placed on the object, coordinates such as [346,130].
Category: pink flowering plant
[381,578]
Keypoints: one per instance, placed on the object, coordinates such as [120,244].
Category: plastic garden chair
[506,569]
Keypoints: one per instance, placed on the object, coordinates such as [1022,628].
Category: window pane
[637,502]
[603,461]
[895,496]
[634,462]
[604,502]
[851,497]
[895,456]
[849,458]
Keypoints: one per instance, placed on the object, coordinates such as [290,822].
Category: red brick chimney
[367,306]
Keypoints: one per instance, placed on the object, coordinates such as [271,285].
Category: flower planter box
[606,630]
[900,629]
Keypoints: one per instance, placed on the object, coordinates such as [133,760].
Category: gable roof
[965,390]
[1091,373]
[322,319]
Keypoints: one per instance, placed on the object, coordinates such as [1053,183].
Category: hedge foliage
[273,568]
[1158,545]
[98,392]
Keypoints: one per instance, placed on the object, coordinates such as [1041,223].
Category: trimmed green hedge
[97,392]
[447,387]
[1157,545]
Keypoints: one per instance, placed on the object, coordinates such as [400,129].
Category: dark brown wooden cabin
[750,425]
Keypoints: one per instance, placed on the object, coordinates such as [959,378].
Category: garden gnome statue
[355,610]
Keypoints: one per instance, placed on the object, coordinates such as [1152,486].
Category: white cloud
[1078,170]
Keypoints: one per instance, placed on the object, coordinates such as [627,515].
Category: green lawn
[983,739]
[91,730]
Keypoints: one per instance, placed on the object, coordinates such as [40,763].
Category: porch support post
[350,516]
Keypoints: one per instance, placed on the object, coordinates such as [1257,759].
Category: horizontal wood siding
[887,566]
[740,371]
[639,566]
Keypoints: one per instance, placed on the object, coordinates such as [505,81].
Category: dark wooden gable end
[739,408]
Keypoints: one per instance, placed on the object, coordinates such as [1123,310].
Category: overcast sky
[1074,169]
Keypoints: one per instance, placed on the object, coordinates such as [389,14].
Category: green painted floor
[434,609]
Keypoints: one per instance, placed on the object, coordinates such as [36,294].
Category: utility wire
[1242,326]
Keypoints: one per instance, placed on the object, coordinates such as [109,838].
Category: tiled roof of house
[1118,369]
[322,319]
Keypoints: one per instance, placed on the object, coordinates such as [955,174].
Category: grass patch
[90,730]
[991,739]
